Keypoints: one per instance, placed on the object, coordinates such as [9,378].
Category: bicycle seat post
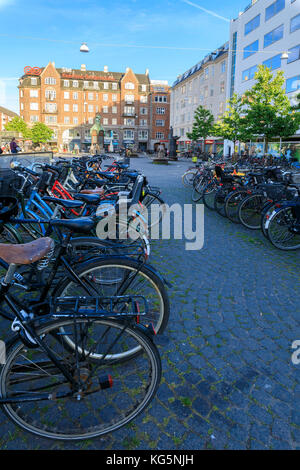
[9,274]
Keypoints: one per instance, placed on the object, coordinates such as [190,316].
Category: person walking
[14,146]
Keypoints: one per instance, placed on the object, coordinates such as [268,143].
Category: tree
[40,133]
[202,126]
[18,125]
[233,124]
[269,112]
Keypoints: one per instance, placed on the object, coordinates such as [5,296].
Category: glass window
[251,49]
[75,108]
[273,36]
[160,110]
[129,98]
[105,85]
[66,83]
[252,24]
[91,108]
[114,109]
[96,85]
[294,54]
[75,83]
[249,73]
[50,81]
[75,95]
[114,86]
[66,107]
[144,87]
[293,84]
[90,96]
[34,118]
[105,97]
[105,109]
[114,121]
[295,23]
[33,81]
[66,95]
[34,106]
[274,62]
[34,93]
[67,120]
[105,121]
[114,97]
[274,8]
[223,66]
[129,86]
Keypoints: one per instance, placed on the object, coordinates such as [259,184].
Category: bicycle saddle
[81,225]
[26,253]
[88,198]
[68,204]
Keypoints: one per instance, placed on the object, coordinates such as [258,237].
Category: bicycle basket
[295,178]
[8,207]
[274,191]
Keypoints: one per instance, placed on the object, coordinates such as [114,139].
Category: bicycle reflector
[105,382]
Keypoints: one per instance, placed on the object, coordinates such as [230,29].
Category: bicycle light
[105,382]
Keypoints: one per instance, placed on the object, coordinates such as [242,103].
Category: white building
[203,84]
[260,35]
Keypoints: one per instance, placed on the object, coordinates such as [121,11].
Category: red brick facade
[160,114]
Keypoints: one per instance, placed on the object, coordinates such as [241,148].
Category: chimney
[83,68]
[147,72]
[105,69]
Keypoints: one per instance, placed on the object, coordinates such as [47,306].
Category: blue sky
[172,34]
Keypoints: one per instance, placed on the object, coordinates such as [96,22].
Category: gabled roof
[8,112]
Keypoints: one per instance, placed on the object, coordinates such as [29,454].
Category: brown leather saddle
[27,253]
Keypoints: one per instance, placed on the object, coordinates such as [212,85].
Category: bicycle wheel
[219,201]
[9,235]
[119,276]
[104,396]
[232,202]
[188,177]
[250,211]
[283,229]
[198,186]
[265,215]
[209,194]
[154,217]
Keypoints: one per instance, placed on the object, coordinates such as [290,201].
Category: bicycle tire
[209,195]
[94,412]
[282,220]
[250,211]
[232,204]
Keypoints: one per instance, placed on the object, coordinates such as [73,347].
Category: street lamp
[84,47]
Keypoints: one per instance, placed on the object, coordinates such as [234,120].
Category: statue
[97,134]
[161,151]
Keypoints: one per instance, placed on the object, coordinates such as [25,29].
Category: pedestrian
[14,146]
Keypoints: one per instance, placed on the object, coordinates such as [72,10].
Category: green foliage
[269,112]
[18,125]
[233,125]
[40,133]
[203,123]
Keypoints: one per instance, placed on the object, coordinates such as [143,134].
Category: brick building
[5,116]
[159,113]
[67,100]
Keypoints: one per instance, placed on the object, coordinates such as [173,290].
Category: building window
[295,23]
[96,85]
[50,81]
[22,106]
[223,66]
[274,62]
[143,111]
[34,118]
[221,107]
[249,73]
[91,108]
[50,119]
[128,134]
[114,121]
[143,122]
[50,94]
[114,86]
[274,8]
[105,109]
[66,83]
[129,98]
[252,25]
[66,107]
[129,110]
[67,120]
[211,92]
[129,86]
[144,99]
[294,54]
[159,135]
[160,110]
[75,108]
[144,87]
[159,122]
[105,121]
[273,36]
[114,109]
[105,97]
[34,106]
[75,95]
[293,84]
[105,85]
[33,81]
[75,83]
[222,87]
[143,135]
[66,95]
[34,93]
[90,96]
[129,122]
[251,49]
[75,120]
[51,107]
[85,84]
[114,97]
[91,120]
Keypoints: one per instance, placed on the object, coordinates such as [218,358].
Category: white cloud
[5,3]
[209,12]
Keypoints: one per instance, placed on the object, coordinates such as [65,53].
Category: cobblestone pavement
[228,379]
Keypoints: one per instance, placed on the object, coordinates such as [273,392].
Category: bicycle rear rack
[114,306]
